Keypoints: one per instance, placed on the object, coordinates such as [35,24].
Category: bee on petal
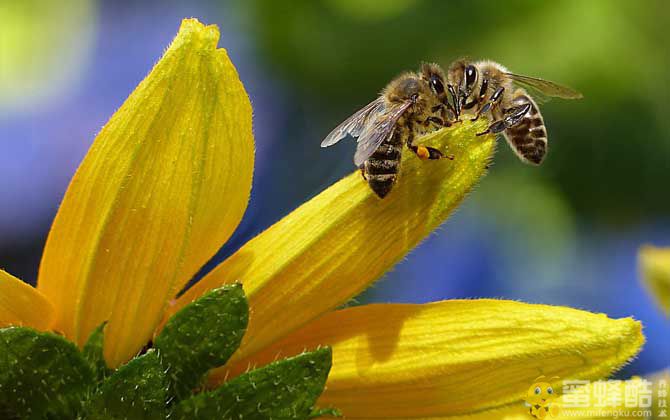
[488,88]
[411,105]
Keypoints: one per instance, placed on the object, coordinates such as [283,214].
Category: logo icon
[540,399]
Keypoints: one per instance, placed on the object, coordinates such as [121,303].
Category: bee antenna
[455,99]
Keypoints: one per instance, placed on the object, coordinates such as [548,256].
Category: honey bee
[488,88]
[412,104]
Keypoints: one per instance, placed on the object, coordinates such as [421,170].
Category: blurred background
[566,233]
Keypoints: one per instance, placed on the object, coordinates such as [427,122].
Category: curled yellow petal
[655,266]
[332,247]
[453,357]
[164,185]
[21,304]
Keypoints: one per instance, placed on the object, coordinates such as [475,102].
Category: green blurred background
[564,233]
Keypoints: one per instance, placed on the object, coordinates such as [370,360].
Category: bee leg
[450,113]
[494,100]
[438,121]
[423,152]
[363,174]
[512,117]
[479,99]
[447,115]
[428,153]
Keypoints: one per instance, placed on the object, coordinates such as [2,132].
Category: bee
[411,105]
[488,88]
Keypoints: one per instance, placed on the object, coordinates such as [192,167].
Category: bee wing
[380,129]
[539,97]
[546,87]
[355,124]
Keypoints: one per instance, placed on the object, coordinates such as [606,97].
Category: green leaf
[287,389]
[202,336]
[325,412]
[93,353]
[134,391]
[41,374]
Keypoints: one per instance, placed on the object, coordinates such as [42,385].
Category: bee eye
[538,391]
[437,85]
[470,75]
[550,390]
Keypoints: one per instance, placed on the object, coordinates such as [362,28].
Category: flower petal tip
[192,30]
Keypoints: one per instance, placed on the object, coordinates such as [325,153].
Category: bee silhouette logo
[541,399]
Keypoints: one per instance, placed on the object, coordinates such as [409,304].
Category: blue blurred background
[566,233]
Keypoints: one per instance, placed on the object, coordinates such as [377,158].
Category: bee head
[406,87]
[433,75]
[462,78]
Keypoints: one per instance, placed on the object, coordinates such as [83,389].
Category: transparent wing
[355,124]
[380,129]
[537,95]
[546,87]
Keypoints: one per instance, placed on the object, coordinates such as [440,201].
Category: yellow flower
[167,181]
[655,266]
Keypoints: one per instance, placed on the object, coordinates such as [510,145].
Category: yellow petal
[162,188]
[21,304]
[655,266]
[332,247]
[453,357]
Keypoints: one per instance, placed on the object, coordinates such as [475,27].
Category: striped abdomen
[528,138]
[382,167]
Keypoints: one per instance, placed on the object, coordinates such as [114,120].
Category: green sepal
[136,390]
[287,389]
[93,353]
[42,375]
[202,336]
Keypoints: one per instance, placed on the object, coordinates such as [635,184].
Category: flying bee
[488,88]
[412,104]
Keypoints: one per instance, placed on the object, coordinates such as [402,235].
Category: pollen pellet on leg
[422,152]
